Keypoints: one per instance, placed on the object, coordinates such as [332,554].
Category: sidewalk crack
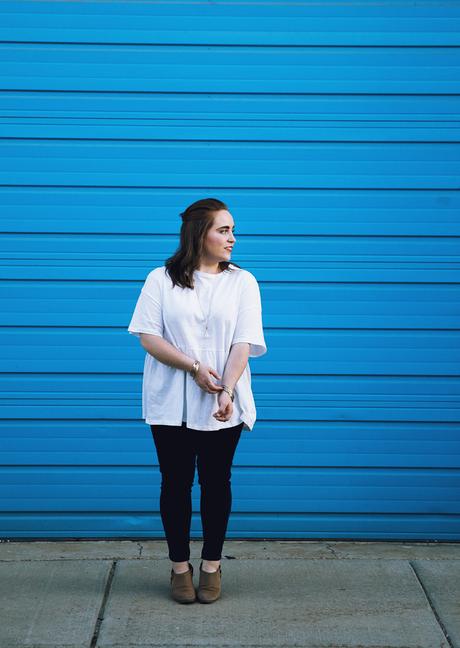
[100,616]
[433,609]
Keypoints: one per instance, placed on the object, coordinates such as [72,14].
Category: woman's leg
[176,457]
[215,451]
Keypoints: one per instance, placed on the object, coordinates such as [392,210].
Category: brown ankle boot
[209,588]
[182,589]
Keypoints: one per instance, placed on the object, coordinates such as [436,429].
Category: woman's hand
[203,378]
[225,411]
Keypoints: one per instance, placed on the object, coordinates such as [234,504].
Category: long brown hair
[197,219]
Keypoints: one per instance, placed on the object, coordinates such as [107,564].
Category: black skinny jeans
[178,448]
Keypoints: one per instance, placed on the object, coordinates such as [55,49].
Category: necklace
[206,318]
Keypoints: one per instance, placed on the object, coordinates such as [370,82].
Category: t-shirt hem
[199,426]
[137,332]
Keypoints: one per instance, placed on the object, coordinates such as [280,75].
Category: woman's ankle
[210,565]
[180,567]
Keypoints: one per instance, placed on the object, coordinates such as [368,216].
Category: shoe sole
[184,602]
[209,601]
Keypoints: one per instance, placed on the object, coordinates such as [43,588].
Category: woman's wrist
[194,368]
[229,391]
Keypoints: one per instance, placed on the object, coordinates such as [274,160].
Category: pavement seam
[100,616]
[430,603]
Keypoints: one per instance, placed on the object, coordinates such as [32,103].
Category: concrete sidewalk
[274,593]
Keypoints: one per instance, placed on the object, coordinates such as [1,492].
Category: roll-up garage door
[331,131]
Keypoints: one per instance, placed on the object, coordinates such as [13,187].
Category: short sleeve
[148,315]
[249,327]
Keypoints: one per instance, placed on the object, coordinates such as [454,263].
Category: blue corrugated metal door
[332,133]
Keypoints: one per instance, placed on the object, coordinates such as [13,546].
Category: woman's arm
[165,352]
[234,367]
[236,363]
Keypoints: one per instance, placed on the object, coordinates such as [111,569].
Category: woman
[199,318]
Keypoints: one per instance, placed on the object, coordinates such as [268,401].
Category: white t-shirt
[232,299]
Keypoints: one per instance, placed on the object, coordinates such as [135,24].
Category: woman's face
[219,238]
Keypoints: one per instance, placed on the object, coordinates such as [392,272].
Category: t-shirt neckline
[209,274]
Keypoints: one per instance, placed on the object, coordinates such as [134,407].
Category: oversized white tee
[230,303]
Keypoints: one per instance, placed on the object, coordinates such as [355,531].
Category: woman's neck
[213,269]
